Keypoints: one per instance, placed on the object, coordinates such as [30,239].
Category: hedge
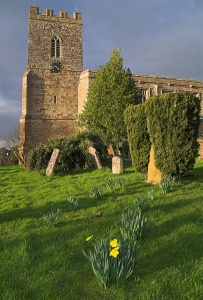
[138,137]
[173,123]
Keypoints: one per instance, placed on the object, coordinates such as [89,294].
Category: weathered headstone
[110,151]
[95,158]
[117,165]
[52,162]
[154,175]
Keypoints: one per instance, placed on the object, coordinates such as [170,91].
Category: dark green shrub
[173,123]
[73,152]
[38,158]
[122,150]
[138,136]
[98,144]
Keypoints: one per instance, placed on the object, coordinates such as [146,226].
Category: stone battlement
[49,15]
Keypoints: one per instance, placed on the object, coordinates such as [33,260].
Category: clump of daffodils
[113,260]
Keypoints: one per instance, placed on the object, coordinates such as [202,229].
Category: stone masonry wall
[154,85]
[42,27]
[85,81]
[149,86]
[50,100]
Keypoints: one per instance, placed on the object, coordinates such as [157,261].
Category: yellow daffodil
[89,238]
[114,252]
[114,243]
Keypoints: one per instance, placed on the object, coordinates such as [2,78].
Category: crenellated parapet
[50,99]
[48,15]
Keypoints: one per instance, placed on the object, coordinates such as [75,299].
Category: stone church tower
[50,83]
[55,87]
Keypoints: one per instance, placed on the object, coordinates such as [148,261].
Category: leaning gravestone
[52,162]
[117,165]
[95,158]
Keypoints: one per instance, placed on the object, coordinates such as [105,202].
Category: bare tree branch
[12,138]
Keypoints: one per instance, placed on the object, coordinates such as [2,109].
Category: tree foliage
[73,152]
[138,137]
[173,123]
[111,92]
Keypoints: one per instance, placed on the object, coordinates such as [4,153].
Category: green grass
[46,262]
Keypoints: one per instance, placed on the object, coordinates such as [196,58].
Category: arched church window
[55,47]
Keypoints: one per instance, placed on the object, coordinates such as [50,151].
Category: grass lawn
[43,262]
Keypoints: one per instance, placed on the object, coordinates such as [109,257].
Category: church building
[55,86]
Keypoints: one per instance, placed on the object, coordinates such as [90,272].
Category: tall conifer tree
[111,92]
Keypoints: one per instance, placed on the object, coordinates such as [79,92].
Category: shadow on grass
[85,202]
[87,206]
[175,252]
[72,172]
[38,212]
[180,203]
[127,169]
[174,242]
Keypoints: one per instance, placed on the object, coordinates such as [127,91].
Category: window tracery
[56,47]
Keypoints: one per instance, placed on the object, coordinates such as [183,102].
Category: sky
[156,37]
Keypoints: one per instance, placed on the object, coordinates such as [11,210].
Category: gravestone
[95,158]
[110,151]
[117,165]
[52,162]
[154,175]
